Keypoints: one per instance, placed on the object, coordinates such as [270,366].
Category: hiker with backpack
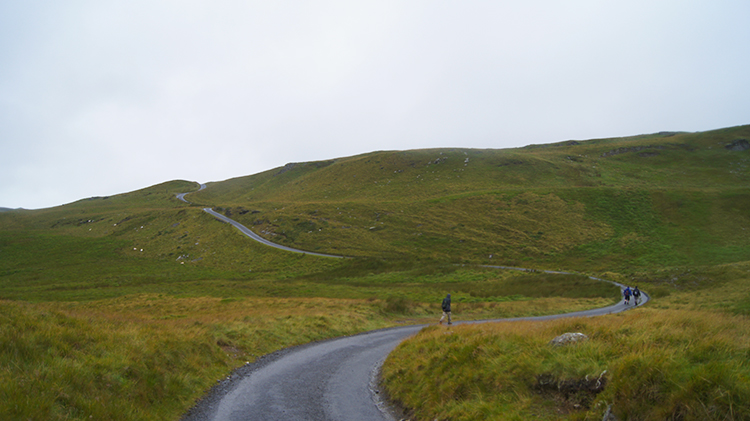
[626,293]
[446,310]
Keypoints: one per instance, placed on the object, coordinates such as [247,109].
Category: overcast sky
[103,97]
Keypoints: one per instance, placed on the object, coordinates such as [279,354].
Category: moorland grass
[116,356]
[152,273]
[683,356]
[656,364]
[644,202]
[148,357]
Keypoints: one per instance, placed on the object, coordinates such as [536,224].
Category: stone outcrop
[568,338]
[738,145]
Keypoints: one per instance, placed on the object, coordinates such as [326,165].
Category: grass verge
[683,356]
[654,365]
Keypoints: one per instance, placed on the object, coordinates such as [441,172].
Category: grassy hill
[665,199]
[141,301]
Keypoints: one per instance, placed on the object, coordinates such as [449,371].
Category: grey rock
[568,338]
[738,145]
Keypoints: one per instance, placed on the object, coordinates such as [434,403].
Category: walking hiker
[637,296]
[626,294]
[446,310]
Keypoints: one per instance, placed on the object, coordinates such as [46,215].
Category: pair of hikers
[636,294]
[627,293]
[446,310]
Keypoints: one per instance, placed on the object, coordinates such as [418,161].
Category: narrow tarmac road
[181,196]
[245,230]
[327,380]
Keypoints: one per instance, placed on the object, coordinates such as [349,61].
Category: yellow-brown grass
[148,357]
[684,356]
[656,364]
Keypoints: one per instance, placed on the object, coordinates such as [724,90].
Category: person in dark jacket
[637,296]
[446,309]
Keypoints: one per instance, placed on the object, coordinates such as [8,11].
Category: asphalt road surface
[327,380]
[181,196]
[245,230]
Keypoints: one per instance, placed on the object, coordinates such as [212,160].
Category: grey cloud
[98,98]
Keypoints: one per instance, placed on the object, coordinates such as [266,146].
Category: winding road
[327,380]
[245,230]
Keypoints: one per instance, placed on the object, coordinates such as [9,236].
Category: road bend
[327,380]
[245,230]
[181,196]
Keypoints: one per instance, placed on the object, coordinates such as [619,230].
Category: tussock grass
[56,366]
[657,365]
[148,357]
[683,356]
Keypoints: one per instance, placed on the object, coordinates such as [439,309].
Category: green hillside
[142,301]
[645,201]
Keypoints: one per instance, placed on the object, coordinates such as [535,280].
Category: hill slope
[629,204]
[141,301]
[669,198]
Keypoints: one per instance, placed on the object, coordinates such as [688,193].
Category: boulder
[738,145]
[568,338]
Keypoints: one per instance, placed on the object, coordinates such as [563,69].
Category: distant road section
[181,196]
[595,312]
[245,230]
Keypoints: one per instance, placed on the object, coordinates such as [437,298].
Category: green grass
[56,366]
[655,365]
[684,356]
[666,211]
[610,203]
[148,357]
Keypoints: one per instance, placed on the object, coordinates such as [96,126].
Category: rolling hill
[624,205]
[141,300]
[666,199]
